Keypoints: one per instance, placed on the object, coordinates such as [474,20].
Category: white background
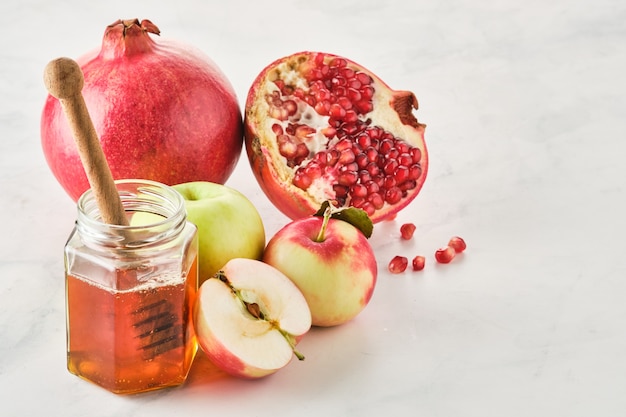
[525,103]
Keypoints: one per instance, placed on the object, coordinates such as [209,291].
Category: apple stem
[321,235]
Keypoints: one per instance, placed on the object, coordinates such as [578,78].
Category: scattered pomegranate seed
[457,243]
[418,263]
[444,255]
[407,230]
[398,264]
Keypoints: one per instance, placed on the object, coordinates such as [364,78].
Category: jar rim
[137,195]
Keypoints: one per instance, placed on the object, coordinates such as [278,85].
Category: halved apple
[248,318]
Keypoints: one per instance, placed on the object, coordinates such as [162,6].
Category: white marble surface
[525,103]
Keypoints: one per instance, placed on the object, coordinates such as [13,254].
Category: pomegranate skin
[392,112]
[162,111]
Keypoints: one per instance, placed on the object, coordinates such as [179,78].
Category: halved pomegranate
[320,127]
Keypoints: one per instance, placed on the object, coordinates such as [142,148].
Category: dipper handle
[64,80]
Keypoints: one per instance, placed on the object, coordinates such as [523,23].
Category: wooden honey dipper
[64,80]
[155,324]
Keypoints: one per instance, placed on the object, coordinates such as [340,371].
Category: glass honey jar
[130,291]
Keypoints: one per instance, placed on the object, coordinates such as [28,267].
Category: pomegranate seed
[354,84]
[381,160]
[346,156]
[313,169]
[415,171]
[364,176]
[401,146]
[407,230]
[385,146]
[393,154]
[359,190]
[338,62]
[398,264]
[347,72]
[407,185]
[351,166]
[457,243]
[401,174]
[357,202]
[393,195]
[418,263]
[363,78]
[340,190]
[350,116]
[315,74]
[364,141]
[340,90]
[361,160]
[379,179]
[390,167]
[291,107]
[343,144]
[405,159]
[377,200]
[277,129]
[329,131]
[286,146]
[389,182]
[302,151]
[368,208]
[332,156]
[416,154]
[444,255]
[299,93]
[304,131]
[363,106]
[374,132]
[301,180]
[371,153]
[354,94]
[344,102]
[372,187]
[372,168]
[337,111]
[347,178]
[322,94]
[338,81]
[277,113]
[322,108]
[367,92]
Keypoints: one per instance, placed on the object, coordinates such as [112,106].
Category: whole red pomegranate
[162,111]
[321,127]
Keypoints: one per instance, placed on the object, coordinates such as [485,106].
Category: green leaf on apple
[355,216]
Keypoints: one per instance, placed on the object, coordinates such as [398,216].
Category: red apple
[330,261]
[249,317]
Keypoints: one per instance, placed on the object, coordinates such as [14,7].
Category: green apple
[229,226]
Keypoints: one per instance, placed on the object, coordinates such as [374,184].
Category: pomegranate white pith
[321,127]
